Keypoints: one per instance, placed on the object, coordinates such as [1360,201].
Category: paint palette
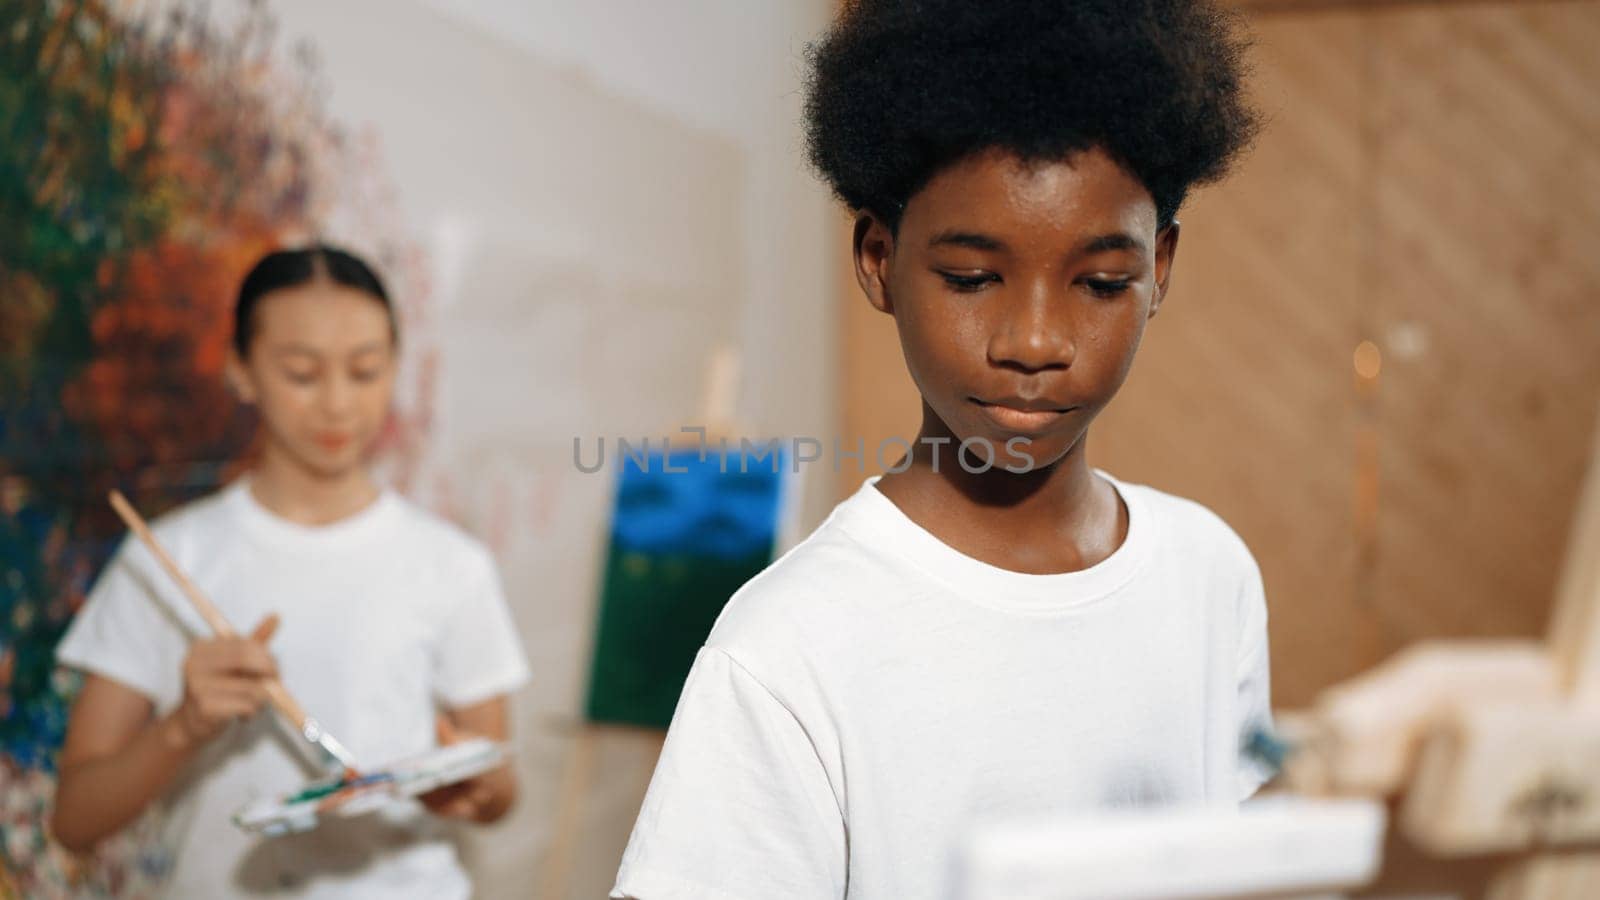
[304,809]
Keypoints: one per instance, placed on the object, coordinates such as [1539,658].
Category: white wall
[733,68]
[703,61]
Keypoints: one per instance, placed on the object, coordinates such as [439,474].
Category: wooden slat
[1575,622]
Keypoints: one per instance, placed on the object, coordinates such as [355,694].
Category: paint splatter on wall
[145,163]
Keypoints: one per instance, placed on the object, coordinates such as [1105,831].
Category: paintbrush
[336,757]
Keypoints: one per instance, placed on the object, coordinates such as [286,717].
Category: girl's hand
[478,799]
[223,681]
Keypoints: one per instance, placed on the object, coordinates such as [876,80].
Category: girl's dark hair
[292,268]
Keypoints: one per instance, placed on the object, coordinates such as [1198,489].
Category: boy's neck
[293,492]
[1056,518]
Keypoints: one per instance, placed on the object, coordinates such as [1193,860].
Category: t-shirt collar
[367,524]
[874,519]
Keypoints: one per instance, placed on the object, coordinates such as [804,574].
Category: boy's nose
[1034,333]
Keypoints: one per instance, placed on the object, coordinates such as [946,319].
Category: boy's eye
[300,377]
[366,375]
[968,283]
[1107,287]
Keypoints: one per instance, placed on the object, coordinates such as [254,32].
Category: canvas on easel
[688,528]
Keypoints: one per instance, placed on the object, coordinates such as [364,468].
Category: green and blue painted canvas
[683,539]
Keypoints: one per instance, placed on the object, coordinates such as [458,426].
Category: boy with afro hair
[994,628]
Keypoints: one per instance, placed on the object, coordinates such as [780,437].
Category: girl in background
[387,623]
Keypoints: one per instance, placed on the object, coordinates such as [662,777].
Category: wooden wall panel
[1488,196]
[1429,181]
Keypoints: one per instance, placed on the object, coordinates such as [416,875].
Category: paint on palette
[348,797]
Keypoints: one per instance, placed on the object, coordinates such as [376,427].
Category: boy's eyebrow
[967,239]
[1100,244]
[1119,241]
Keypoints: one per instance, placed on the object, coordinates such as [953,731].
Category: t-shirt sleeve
[740,805]
[1254,703]
[478,655]
[127,630]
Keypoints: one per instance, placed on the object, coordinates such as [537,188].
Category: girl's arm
[489,796]
[116,759]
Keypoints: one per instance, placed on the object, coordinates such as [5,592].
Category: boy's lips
[1023,415]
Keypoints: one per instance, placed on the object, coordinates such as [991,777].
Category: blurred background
[1380,360]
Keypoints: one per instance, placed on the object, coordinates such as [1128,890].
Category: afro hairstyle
[901,89]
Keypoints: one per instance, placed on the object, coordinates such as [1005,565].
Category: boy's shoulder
[1185,517]
[808,591]
[1188,528]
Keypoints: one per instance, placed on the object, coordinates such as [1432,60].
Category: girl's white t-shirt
[875,693]
[386,617]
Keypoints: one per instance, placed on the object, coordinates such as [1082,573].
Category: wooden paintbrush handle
[284,702]
[277,694]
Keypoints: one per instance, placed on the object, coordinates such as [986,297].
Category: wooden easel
[1574,648]
[1493,745]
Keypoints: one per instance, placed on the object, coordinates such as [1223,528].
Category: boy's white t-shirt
[386,617]
[874,693]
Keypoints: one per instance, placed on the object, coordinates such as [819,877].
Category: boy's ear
[873,245]
[1166,252]
[238,378]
